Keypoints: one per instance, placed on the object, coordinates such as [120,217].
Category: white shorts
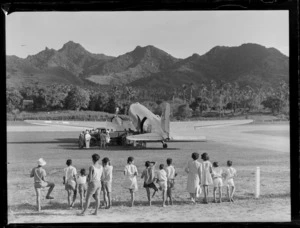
[218,182]
[163,185]
[229,182]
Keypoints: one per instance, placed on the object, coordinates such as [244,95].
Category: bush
[184,111]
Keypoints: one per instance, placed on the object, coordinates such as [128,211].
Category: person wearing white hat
[39,174]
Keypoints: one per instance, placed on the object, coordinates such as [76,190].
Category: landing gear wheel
[165,145]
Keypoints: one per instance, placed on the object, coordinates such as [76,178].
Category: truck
[117,138]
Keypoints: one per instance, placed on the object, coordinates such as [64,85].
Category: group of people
[99,179]
[205,174]
[86,136]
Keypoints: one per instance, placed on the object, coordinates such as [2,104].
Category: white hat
[41,162]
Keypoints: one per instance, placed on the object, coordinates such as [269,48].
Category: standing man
[39,175]
[102,139]
[87,139]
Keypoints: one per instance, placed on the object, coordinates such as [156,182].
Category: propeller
[141,123]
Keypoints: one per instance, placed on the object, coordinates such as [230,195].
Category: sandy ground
[248,146]
[242,211]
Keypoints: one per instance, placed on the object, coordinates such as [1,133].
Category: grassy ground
[55,147]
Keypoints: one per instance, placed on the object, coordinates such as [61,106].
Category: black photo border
[292,6]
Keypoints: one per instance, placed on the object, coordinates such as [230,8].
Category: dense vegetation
[212,100]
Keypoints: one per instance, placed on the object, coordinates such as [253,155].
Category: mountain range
[248,64]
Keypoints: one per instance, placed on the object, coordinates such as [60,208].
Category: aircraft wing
[183,138]
[147,137]
[221,123]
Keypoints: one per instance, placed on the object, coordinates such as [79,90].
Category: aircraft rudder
[165,120]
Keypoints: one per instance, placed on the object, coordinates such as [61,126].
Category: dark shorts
[82,188]
[171,184]
[151,185]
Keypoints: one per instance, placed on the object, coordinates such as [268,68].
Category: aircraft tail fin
[165,119]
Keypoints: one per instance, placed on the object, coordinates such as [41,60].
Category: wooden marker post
[257,183]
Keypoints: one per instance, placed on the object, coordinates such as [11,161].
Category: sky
[180,33]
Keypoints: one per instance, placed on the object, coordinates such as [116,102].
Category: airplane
[145,126]
[153,128]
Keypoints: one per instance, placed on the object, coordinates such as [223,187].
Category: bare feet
[164,205]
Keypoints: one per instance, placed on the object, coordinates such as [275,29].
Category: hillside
[65,65]
[250,64]
[142,62]
[150,67]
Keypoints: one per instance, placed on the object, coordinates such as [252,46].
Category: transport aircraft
[145,126]
[152,128]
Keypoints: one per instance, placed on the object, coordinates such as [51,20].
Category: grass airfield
[248,146]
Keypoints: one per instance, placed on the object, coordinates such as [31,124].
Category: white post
[257,183]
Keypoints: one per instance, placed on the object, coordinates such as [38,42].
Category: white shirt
[87,136]
[130,169]
[170,170]
[97,174]
[70,171]
[230,173]
[107,173]
[217,172]
[81,180]
[162,175]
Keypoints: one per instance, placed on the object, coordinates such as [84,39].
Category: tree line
[186,101]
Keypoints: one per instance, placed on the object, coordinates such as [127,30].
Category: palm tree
[213,87]
[184,87]
[236,95]
[191,91]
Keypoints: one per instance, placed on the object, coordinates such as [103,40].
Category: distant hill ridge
[149,66]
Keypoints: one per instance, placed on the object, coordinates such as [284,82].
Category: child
[162,180]
[217,179]
[81,182]
[148,175]
[230,172]
[94,185]
[130,182]
[39,175]
[106,181]
[206,175]
[70,182]
[171,174]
